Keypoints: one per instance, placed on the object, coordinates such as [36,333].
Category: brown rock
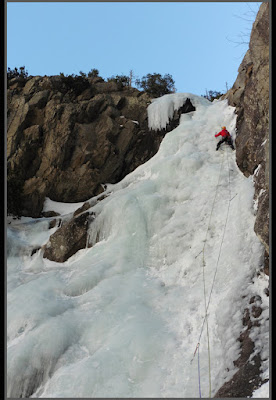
[71,140]
[83,208]
[261,226]
[250,96]
[107,87]
[31,85]
[48,214]
[39,99]
[68,239]
[70,145]
[95,107]
[52,223]
[244,382]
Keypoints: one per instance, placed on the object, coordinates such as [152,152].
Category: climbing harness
[205,320]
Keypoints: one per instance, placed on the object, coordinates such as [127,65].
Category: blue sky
[201,44]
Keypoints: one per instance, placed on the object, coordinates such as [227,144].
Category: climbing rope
[223,234]
[204,280]
[198,371]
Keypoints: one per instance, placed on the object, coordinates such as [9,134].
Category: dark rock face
[250,96]
[67,142]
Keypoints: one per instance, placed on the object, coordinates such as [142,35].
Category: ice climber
[226,137]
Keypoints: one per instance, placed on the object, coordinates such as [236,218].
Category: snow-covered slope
[123,318]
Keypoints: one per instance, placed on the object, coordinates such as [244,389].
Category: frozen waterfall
[122,318]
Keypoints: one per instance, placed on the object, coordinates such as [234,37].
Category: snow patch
[262,392]
[59,207]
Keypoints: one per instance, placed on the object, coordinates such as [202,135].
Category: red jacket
[223,133]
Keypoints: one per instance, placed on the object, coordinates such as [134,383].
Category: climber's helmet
[224,127]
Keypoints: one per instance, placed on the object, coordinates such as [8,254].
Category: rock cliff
[64,143]
[250,96]
[67,137]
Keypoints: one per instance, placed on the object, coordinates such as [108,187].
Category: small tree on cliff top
[121,80]
[212,95]
[15,73]
[156,85]
[93,73]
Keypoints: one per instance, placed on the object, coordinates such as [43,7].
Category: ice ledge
[161,110]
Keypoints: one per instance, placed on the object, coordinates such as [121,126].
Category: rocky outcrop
[69,136]
[65,141]
[69,238]
[250,96]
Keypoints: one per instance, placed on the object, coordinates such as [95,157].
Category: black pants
[226,139]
